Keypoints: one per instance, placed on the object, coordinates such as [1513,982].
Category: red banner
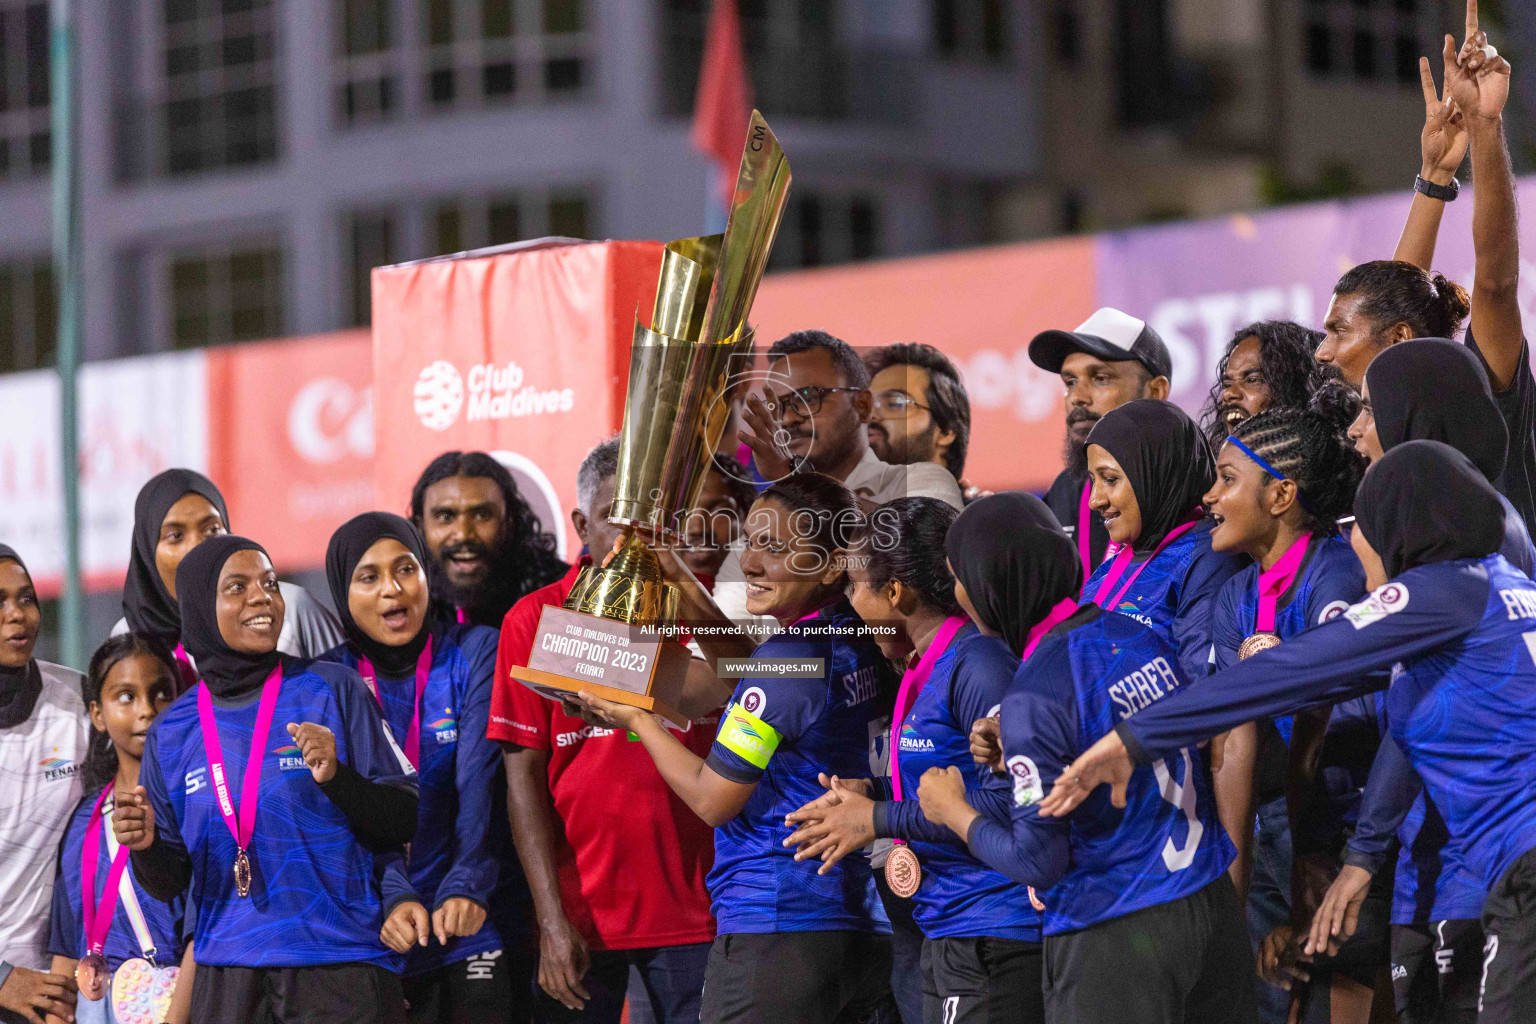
[523,354]
[290,439]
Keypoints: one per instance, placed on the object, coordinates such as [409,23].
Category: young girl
[1150,467]
[102,918]
[274,789]
[1141,923]
[981,954]
[433,684]
[825,935]
[43,732]
[1283,479]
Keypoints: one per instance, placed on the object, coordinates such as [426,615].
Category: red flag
[723,105]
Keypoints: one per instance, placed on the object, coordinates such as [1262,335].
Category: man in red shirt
[615,861]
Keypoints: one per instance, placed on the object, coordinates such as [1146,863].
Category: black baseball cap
[1111,335]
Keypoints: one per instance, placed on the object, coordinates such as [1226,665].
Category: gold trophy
[613,637]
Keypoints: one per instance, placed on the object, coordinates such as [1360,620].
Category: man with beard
[921,411]
[1110,359]
[818,402]
[1266,365]
[487,546]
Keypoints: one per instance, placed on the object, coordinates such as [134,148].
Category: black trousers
[495,986]
[1436,971]
[906,953]
[804,977]
[333,994]
[1185,962]
[982,981]
[1508,993]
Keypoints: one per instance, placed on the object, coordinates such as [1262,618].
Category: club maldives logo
[493,392]
[289,757]
[446,728]
[55,767]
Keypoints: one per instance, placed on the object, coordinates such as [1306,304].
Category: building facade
[246,162]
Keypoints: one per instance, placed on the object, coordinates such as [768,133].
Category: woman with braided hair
[1283,480]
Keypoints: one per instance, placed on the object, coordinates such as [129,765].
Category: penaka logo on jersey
[289,758]
[910,741]
[55,767]
[445,728]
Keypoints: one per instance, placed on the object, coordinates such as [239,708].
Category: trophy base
[558,687]
[634,665]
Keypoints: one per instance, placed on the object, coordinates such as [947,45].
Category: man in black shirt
[1110,359]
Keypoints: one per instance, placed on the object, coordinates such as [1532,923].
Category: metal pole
[66,272]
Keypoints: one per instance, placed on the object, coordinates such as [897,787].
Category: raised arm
[1479,86]
[1442,146]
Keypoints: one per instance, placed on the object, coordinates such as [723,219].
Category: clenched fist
[317,745]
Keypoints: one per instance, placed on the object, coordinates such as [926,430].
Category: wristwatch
[1444,193]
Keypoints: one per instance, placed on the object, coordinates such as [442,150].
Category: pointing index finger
[1471,18]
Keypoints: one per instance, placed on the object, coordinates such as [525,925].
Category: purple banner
[1197,283]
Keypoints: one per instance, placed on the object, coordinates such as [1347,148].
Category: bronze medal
[902,871]
[91,976]
[1256,643]
[243,874]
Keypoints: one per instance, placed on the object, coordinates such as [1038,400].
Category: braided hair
[1310,447]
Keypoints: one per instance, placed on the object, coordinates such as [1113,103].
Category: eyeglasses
[898,403]
[810,399]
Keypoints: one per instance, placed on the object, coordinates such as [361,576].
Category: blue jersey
[778,734]
[165,922]
[1433,881]
[463,844]
[315,896]
[959,895]
[1175,595]
[1517,548]
[1462,708]
[1100,862]
[1329,581]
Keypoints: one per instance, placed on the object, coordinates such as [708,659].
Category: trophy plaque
[614,636]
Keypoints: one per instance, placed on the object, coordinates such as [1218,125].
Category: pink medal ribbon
[97,916]
[1275,580]
[1084,530]
[189,676]
[1123,560]
[242,824]
[460,615]
[1055,617]
[423,670]
[912,682]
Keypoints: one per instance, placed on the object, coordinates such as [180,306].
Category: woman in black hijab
[1012,563]
[462,861]
[1149,466]
[1431,389]
[175,511]
[1451,618]
[282,869]
[43,730]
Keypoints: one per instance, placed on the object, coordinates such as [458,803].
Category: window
[971,29]
[28,315]
[1367,40]
[491,51]
[827,227]
[200,86]
[474,222]
[371,237]
[223,294]
[25,140]
[369,87]
[798,64]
